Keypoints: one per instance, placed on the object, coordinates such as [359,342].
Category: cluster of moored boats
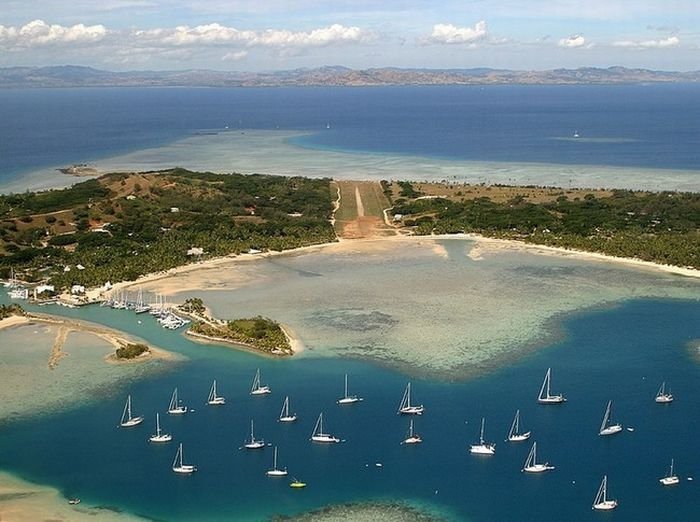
[406,407]
[607,427]
[159,308]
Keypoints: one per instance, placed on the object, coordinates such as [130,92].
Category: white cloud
[234,56]
[572,42]
[217,34]
[38,32]
[451,34]
[671,41]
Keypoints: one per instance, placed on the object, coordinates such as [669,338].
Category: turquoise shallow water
[621,354]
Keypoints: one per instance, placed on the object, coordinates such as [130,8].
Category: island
[86,243]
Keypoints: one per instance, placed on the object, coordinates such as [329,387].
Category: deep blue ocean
[621,354]
[631,125]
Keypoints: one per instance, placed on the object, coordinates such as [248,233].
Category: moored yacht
[253,443]
[601,501]
[663,396]
[346,398]
[318,435]
[515,435]
[670,479]
[127,419]
[285,416]
[179,466]
[607,427]
[546,396]
[275,472]
[482,448]
[531,465]
[159,436]
[257,388]
[175,407]
[412,437]
[406,407]
[214,399]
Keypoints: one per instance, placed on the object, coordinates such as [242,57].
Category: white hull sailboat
[412,438]
[545,396]
[285,416]
[159,436]
[348,399]
[482,448]
[127,419]
[670,479]
[514,435]
[274,472]
[257,388]
[531,465]
[179,466]
[214,399]
[607,427]
[318,434]
[602,502]
[253,443]
[662,396]
[405,407]
[175,408]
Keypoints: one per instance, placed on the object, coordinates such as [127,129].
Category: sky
[264,35]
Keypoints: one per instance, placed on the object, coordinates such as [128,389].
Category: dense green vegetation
[259,332]
[28,203]
[121,226]
[11,309]
[131,351]
[193,305]
[659,227]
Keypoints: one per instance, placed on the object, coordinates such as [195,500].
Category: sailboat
[531,465]
[252,443]
[670,479]
[175,408]
[412,438]
[348,399]
[274,472]
[159,436]
[256,388]
[576,134]
[214,399]
[178,466]
[127,419]
[545,396]
[140,306]
[285,416]
[601,502]
[405,406]
[607,427]
[319,436]
[483,448]
[514,435]
[662,396]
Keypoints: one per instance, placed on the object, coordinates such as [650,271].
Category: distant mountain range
[77,76]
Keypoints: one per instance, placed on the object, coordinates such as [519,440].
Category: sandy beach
[216,274]
[22,501]
[66,326]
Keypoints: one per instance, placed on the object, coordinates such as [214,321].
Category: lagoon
[619,333]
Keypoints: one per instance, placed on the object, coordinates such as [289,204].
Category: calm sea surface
[621,354]
[650,126]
